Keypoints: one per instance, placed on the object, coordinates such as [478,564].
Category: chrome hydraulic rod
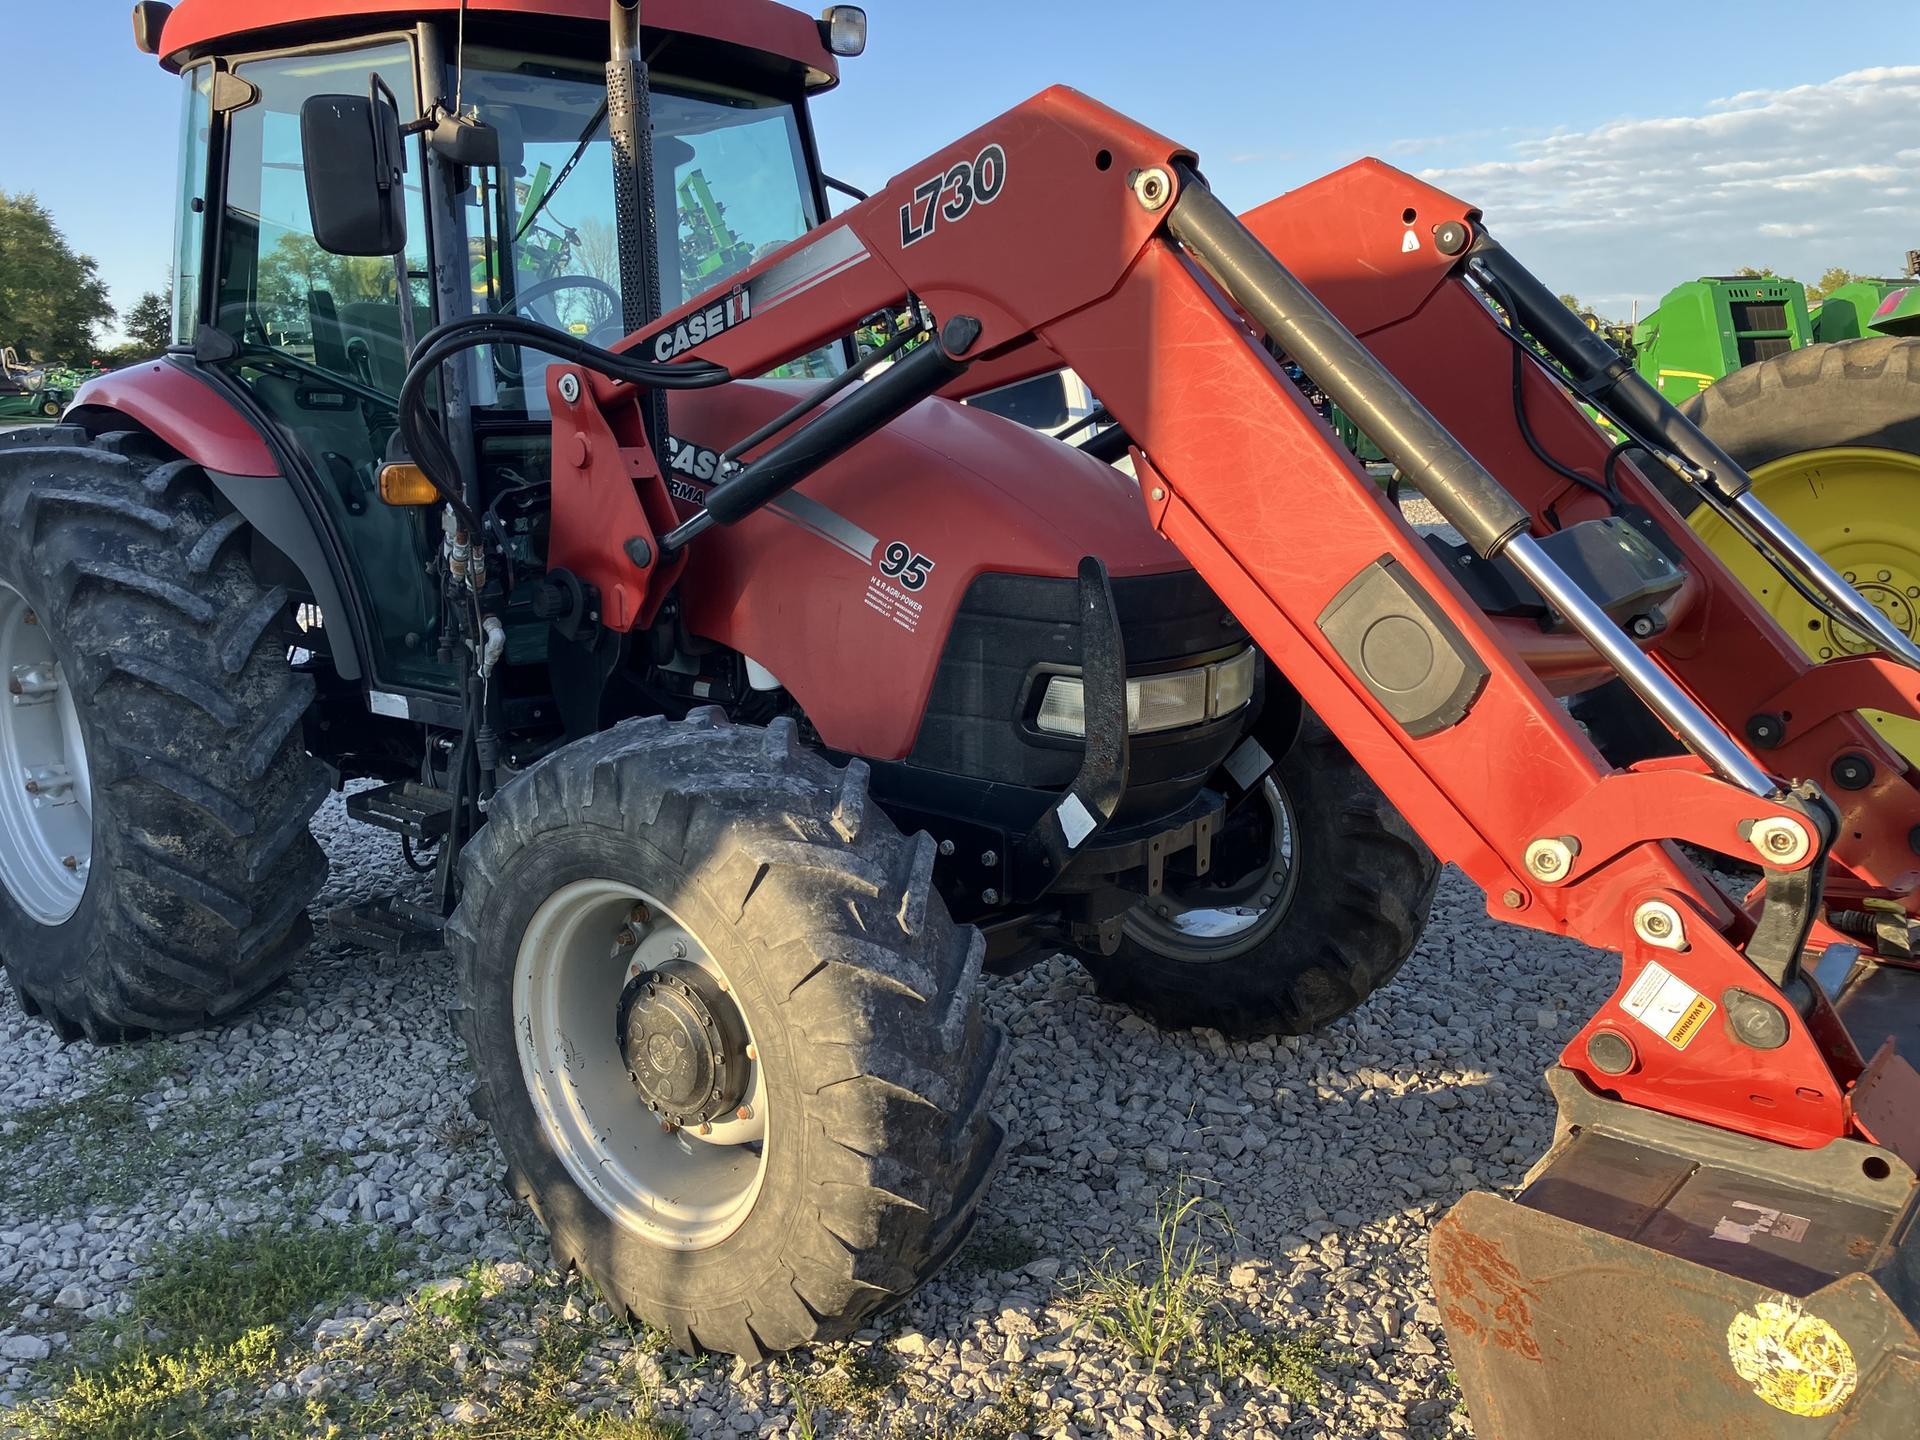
[1703,735]
[1601,375]
[1874,625]
[1438,465]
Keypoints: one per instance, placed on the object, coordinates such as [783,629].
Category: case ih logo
[698,328]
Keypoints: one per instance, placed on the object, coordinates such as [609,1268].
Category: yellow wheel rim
[1860,509]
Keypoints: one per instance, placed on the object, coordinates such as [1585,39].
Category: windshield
[729,168]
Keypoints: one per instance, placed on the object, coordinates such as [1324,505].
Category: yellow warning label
[1794,1361]
[1688,1025]
[1667,1005]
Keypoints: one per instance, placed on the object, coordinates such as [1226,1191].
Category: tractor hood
[881,545]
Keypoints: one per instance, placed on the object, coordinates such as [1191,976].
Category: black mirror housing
[355,161]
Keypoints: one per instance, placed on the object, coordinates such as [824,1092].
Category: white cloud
[1799,179]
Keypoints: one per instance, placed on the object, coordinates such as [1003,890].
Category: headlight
[1155,702]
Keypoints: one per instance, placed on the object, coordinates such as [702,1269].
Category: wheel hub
[684,1043]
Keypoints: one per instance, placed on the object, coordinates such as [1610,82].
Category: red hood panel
[805,590]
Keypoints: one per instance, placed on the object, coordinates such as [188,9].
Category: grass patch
[216,1324]
[852,1387]
[153,1393]
[1168,1312]
[213,1287]
[1289,1363]
[212,1319]
[97,1148]
[1156,1311]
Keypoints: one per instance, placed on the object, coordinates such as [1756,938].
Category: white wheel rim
[677,1188]
[46,790]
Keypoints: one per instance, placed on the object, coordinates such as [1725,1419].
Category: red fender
[190,415]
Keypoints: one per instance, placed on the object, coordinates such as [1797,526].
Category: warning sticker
[893,602]
[1667,1005]
[1795,1361]
[1751,1220]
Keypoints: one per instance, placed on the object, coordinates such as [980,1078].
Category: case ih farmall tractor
[757,696]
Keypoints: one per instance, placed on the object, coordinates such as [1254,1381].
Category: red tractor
[752,696]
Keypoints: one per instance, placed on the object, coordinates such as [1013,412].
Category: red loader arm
[1048,227]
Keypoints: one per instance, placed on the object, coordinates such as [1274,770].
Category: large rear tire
[785,951]
[155,862]
[1317,893]
[1831,436]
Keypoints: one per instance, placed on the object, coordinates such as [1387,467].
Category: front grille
[1762,347]
[1749,315]
[1009,625]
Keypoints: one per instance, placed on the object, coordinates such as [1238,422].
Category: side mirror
[355,162]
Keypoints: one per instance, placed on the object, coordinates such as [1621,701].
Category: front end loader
[752,718]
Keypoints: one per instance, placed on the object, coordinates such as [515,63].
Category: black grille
[1750,315]
[1009,625]
[1762,347]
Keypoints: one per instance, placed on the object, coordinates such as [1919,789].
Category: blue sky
[1619,150]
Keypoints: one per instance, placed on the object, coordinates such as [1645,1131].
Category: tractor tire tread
[202,790]
[893,1060]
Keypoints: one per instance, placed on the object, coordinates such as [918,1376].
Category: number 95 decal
[952,193]
[905,564]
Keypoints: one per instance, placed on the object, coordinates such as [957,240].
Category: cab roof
[202,27]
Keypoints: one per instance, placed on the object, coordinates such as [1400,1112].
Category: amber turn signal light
[406,485]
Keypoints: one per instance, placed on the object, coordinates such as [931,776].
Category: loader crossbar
[1063,233]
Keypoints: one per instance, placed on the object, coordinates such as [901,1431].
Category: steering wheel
[553,284]
[604,334]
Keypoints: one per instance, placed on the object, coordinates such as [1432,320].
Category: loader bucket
[1657,1277]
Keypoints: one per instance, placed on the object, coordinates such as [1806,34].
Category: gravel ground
[340,1102]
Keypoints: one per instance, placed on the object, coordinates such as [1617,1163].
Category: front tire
[1317,894]
[158,876]
[837,1008]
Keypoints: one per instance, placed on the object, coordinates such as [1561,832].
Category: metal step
[417,811]
[389,925]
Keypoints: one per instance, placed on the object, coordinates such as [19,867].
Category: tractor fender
[200,423]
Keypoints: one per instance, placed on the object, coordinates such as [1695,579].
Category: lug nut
[624,936]
[753,1052]
[72,862]
[745,1112]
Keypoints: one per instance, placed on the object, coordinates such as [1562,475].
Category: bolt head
[1152,188]
[1513,899]
[569,388]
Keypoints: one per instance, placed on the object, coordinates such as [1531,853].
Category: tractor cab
[315,343]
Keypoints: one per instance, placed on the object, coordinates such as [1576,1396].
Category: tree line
[53,302]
